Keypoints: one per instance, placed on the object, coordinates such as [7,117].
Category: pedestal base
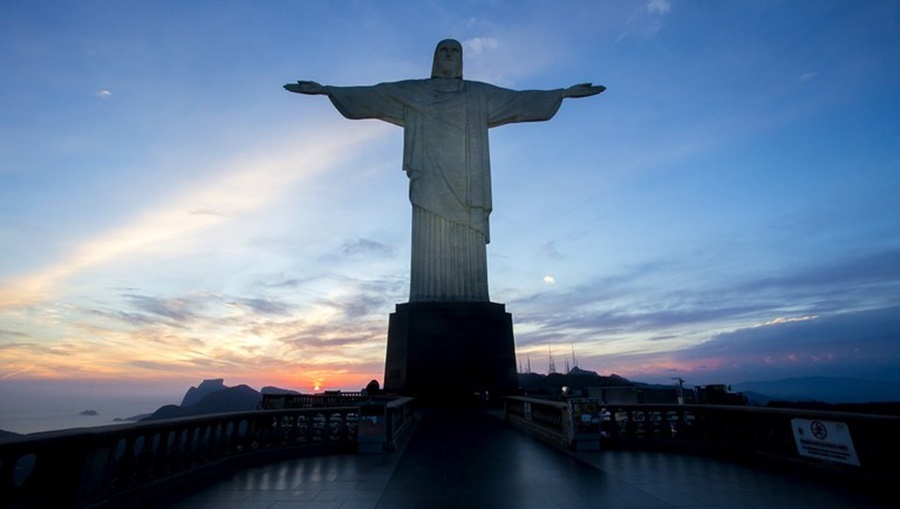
[450,350]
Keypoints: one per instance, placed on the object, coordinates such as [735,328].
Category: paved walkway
[464,459]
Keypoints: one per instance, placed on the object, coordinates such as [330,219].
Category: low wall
[124,464]
[858,445]
[549,420]
[399,419]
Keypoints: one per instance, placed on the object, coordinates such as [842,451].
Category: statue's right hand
[306,87]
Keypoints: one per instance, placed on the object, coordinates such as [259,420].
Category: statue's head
[447,60]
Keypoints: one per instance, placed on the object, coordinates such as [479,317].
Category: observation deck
[520,457]
[466,458]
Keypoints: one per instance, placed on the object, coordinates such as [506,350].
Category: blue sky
[727,210]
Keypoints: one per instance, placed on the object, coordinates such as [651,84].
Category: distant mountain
[277,390]
[138,417]
[536,383]
[195,394]
[576,371]
[757,398]
[230,399]
[8,434]
[615,379]
[820,388]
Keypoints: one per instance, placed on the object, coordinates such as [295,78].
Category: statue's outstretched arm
[307,87]
[583,90]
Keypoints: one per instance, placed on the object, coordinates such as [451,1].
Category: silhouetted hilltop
[581,372]
[856,408]
[207,387]
[536,383]
[229,399]
[8,434]
[757,398]
[277,390]
[138,417]
[820,388]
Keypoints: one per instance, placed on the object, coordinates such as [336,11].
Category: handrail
[399,417]
[548,419]
[92,466]
[284,401]
[768,432]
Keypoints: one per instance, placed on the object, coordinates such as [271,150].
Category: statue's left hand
[306,87]
[583,90]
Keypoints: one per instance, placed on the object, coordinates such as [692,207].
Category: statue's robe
[445,155]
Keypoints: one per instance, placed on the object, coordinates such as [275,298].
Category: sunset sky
[728,210]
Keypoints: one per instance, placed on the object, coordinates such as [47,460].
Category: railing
[93,467]
[547,419]
[285,401]
[871,450]
[398,416]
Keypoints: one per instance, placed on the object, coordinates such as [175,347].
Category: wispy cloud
[549,250]
[478,45]
[12,334]
[244,185]
[647,19]
[334,337]
[176,310]
[842,274]
[847,344]
[265,306]
[646,326]
[367,247]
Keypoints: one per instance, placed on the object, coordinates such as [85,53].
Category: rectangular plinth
[450,350]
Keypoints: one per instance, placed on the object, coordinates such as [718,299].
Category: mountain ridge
[229,399]
[820,388]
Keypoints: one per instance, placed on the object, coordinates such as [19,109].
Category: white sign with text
[824,440]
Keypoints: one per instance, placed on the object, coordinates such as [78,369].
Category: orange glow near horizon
[323,379]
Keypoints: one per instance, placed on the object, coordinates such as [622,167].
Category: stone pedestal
[450,350]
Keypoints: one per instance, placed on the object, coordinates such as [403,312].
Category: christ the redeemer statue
[445,122]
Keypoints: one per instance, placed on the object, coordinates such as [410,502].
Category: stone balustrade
[129,463]
[869,452]
[119,464]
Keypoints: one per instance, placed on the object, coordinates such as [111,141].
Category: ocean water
[48,412]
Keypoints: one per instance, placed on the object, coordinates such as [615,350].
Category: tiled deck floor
[466,459]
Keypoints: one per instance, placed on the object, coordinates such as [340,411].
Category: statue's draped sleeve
[492,106]
[508,106]
[376,102]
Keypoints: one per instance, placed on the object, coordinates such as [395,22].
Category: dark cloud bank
[839,318]
[861,344]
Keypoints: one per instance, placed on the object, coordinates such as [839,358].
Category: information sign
[824,440]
